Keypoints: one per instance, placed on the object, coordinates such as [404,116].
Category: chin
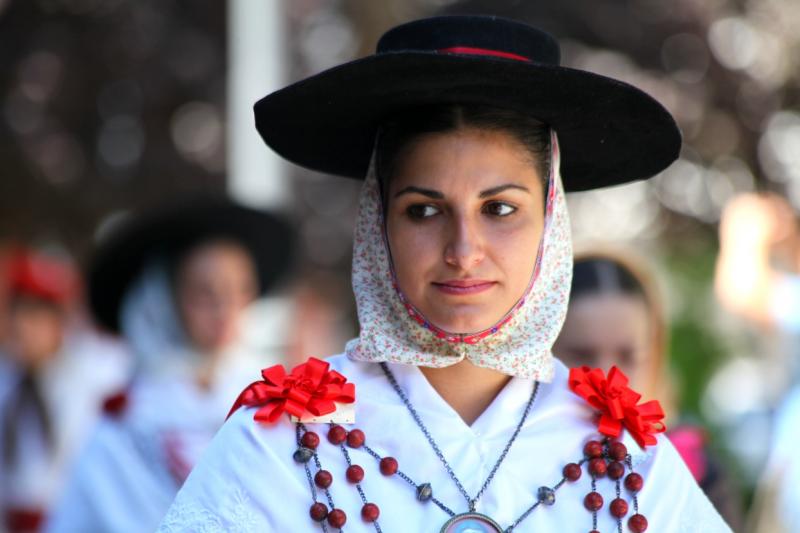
[465,323]
[214,344]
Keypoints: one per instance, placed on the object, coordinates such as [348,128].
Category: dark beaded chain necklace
[470,516]
[604,458]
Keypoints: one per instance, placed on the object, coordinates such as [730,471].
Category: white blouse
[136,460]
[248,481]
[73,386]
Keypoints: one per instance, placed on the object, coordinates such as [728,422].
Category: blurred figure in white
[175,284]
[53,375]
[757,278]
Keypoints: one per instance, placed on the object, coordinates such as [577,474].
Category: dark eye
[626,356]
[499,209]
[420,211]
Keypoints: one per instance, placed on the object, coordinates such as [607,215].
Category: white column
[256,176]
[256,67]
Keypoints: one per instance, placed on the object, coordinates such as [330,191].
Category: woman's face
[215,283]
[465,214]
[36,330]
[602,330]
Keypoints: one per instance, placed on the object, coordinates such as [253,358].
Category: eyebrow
[436,195]
[430,193]
[501,188]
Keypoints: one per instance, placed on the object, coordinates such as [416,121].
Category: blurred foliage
[695,349]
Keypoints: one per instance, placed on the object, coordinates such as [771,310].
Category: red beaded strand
[610,458]
[323,479]
[354,474]
[597,467]
[355,438]
[370,512]
[572,472]
[337,518]
[593,449]
[310,440]
[593,501]
[617,451]
[389,466]
[337,435]
[637,523]
[603,459]
[615,470]
[619,507]
[634,482]
[318,511]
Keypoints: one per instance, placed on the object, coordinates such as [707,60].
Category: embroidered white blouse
[136,460]
[248,481]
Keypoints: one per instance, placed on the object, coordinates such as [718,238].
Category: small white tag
[345,413]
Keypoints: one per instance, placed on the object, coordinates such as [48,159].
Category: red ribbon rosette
[618,404]
[309,388]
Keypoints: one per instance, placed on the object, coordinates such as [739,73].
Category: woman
[53,375]
[616,317]
[175,284]
[461,419]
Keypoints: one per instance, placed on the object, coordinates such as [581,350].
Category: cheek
[194,314]
[414,248]
[194,320]
[514,250]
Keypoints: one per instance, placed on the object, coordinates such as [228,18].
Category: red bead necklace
[600,459]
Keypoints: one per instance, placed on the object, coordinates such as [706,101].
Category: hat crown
[473,35]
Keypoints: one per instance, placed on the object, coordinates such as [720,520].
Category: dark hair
[400,130]
[599,275]
[178,253]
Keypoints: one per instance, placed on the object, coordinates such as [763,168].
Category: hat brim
[121,256]
[609,131]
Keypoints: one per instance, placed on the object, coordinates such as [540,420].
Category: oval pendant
[471,523]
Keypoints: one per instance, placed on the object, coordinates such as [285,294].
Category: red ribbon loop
[310,387]
[618,404]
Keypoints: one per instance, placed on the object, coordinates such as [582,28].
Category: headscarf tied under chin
[150,323]
[518,345]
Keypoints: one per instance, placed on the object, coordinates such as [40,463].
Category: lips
[464,287]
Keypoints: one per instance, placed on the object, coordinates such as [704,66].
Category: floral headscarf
[519,344]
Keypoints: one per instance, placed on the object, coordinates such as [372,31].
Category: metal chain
[470,501]
[311,483]
[358,485]
[301,427]
[402,475]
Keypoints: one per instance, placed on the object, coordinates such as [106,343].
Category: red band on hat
[468,50]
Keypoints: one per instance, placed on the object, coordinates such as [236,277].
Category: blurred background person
[759,260]
[616,317]
[4,253]
[53,376]
[175,284]
[758,278]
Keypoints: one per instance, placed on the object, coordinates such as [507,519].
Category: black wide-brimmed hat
[609,131]
[172,229]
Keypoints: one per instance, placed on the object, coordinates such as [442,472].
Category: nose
[464,248]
